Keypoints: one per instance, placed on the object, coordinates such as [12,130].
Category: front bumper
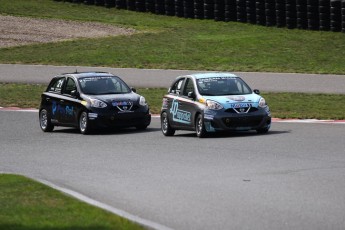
[111,119]
[226,121]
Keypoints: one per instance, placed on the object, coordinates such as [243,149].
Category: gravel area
[16,31]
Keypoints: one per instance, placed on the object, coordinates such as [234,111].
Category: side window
[56,85]
[70,86]
[176,88]
[189,87]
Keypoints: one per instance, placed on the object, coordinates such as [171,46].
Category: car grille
[132,108]
[244,121]
[241,110]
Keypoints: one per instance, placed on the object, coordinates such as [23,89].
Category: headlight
[262,103]
[213,105]
[97,103]
[142,101]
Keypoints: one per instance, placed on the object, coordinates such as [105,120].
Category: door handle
[62,101]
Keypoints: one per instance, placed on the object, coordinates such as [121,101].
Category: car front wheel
[166,128]
[84,123]
[45,122]
[200,127]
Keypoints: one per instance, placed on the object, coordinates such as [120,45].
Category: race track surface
[291,178]
[270,82]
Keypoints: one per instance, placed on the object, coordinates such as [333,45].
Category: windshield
[99,85]
[219,86]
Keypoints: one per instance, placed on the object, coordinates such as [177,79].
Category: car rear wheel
[84,123]
[166,128]
[45,122]
[200,127]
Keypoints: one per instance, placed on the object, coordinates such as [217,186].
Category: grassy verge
[26,204]
[177,43]
[283,105]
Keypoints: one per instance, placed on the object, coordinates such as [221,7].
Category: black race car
[92,100]
[211,102]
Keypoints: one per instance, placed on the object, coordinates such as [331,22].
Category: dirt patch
[16,31]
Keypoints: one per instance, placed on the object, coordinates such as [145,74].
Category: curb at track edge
[86,199]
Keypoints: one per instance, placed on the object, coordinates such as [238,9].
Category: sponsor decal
[69,110]
[180,116]
[208,117]
[85,79]
[210,112]
[240,105]
[214,79]
[62,110]
[92,116]
[54,107]
[123,106]
[202,100]
[165,103]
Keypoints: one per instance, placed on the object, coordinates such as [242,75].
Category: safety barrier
[323,15]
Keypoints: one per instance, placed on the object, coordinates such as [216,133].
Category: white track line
[109,208]
[79,196]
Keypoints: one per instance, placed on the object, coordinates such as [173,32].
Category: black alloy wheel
[45,121]
[165,126]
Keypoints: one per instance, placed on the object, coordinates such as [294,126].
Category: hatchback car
[211,102]
[92,100]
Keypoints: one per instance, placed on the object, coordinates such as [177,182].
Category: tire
[262,130]
[45,122]
[165,126]
[200,127]
[84,123]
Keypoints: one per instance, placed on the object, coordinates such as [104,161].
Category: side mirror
[191,95]
[75,93]
[134,89]
[256,91]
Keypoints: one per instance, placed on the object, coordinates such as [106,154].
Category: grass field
[26,204]
[178,43]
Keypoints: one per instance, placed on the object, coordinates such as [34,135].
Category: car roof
[211,74]
[87,74]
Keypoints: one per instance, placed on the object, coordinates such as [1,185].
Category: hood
[229,100]
[109,98]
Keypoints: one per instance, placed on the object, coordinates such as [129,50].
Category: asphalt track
[291,178]
[271,82]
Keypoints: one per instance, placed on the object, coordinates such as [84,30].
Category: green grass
[26,204]
[178,43]
[283,105]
